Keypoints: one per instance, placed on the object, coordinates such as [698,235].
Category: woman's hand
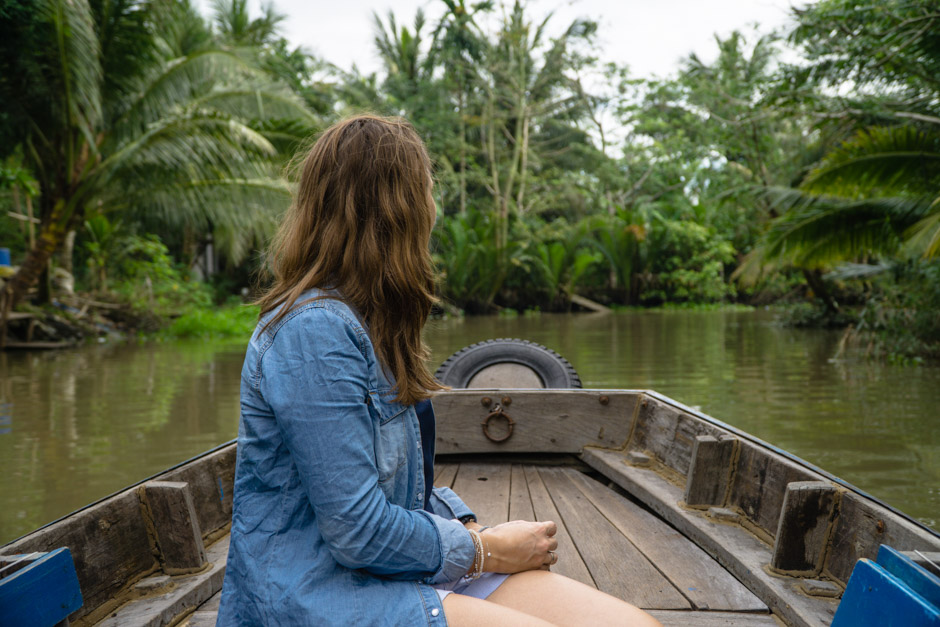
[519,545]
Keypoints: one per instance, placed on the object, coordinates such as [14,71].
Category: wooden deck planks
[613,535]
[520,503]
[672,618]
[569,563]
[617,567]
[444,475]
[700,578]
[485,490]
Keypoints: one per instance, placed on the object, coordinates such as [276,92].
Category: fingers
[553,545]
[551,559]
[550,528]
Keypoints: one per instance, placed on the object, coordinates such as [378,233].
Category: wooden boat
[656,503]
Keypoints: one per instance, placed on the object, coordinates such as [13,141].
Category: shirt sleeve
[445,503]
[315,377]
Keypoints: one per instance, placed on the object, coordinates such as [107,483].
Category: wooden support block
[169,505]
[638,459]
[724,514]
[820,588]
[709,472]
[803,530]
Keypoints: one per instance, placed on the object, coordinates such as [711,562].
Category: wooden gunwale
[152,477]
[783,452]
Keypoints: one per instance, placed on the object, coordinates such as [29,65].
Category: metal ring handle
[497,411]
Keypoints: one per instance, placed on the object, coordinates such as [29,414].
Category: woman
[334,519]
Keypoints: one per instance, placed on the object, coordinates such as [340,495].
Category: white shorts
[479,588]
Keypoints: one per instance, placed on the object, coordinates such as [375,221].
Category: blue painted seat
[891,592]
[40,594]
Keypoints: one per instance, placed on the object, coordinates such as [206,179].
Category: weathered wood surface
[179,596]
[709,470]
[741,552]
[800,542]
[672,618]
[570,562]
[668,433]
[211,479]
[109,544]
[699,577]
[520,501]
[485,490]
[616,566]
[546,421]
[862,527]
[169,507]
[444,475]
[760,483]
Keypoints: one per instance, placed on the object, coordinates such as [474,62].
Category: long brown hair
[360,223]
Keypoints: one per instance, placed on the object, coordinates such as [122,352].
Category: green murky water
[82,424]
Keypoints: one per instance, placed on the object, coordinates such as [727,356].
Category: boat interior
[656,503]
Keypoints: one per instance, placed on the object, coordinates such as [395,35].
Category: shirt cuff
[457,550]
[446,504]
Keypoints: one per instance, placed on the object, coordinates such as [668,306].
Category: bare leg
[564,601]
[464,611]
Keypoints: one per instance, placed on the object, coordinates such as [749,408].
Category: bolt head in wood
[486,401]
[603,400]
[507,401]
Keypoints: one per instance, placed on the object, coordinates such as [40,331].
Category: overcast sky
[650,36]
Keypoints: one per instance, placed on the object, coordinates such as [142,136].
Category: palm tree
[108,123]
[876,195]
[526,104]
[236,27]
[459,46]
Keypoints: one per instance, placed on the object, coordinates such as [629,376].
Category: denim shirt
[328,525]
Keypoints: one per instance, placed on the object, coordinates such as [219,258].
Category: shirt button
[435,612]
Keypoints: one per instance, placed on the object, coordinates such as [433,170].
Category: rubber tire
[554,370]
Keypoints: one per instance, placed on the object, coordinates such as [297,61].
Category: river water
[78,425]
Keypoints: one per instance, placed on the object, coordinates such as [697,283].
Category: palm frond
[262,102]
[893,159]
[924,236]
[816,231]
[78,56]
[241,213]
[175,84]
[849,271]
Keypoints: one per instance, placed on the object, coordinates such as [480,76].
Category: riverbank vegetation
[144,149]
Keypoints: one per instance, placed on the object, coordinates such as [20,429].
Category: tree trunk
[463,152]
[524,165]
[818,285]
[66,253]
[51,235]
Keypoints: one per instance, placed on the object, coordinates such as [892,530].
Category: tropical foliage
[752,177]
[129,109]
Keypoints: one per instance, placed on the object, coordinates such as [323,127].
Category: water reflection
[78,425]
[88,422]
